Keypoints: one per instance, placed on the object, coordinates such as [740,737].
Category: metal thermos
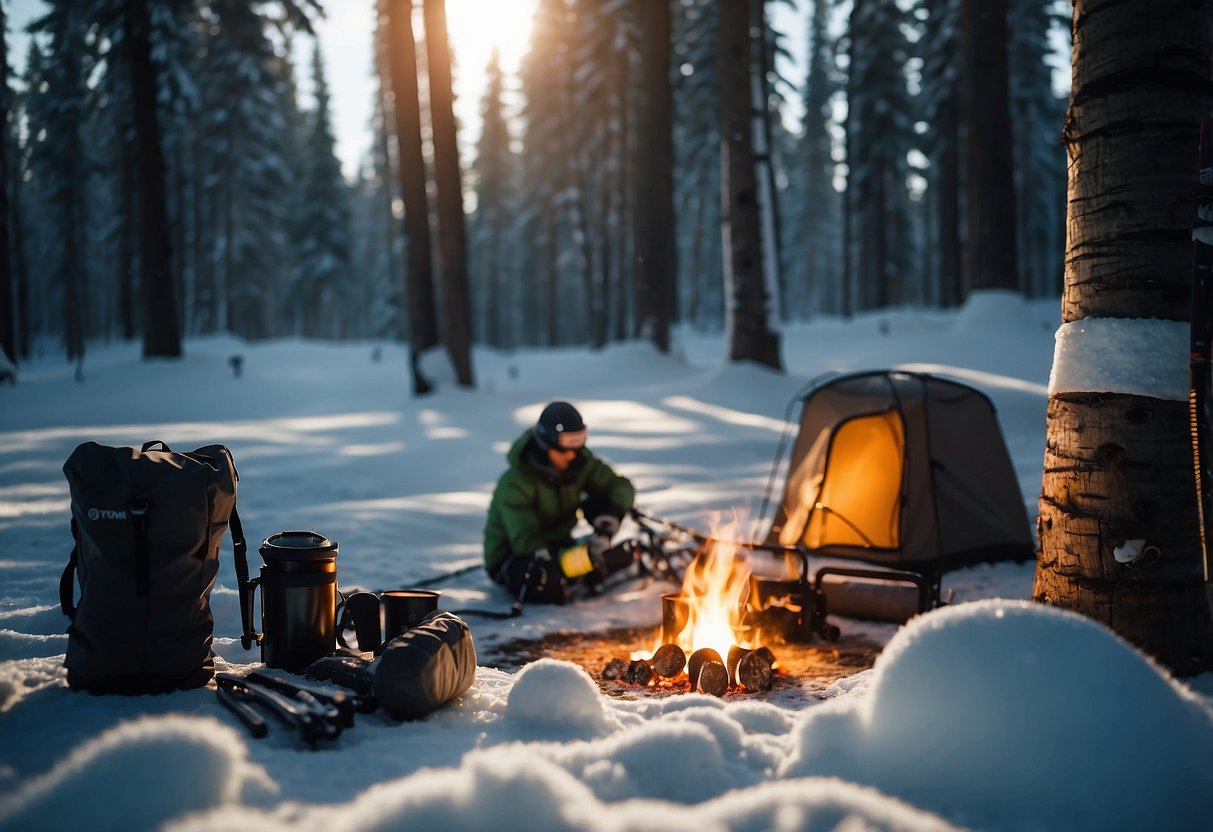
[298,599]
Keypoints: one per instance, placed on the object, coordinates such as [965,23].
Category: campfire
[706,632]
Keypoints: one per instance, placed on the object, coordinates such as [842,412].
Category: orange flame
[713,595]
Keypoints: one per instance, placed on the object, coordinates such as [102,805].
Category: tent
[904,471]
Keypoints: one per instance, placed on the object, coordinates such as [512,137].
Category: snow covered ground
[989,714]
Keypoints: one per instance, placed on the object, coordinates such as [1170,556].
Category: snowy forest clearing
[990,715]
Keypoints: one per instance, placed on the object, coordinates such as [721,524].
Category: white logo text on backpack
[105,514]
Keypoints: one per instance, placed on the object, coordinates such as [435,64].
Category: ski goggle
[570,440]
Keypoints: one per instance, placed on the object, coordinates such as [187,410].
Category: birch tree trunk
[1118,470]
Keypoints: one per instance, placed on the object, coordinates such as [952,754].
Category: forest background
[875,175]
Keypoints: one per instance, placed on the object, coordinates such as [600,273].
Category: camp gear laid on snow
[378,617]
[1201,360]
[147,526]
[348,668]
[298,600]
[417,672]
[426,667]
[316,714]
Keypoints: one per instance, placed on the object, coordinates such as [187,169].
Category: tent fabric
[904,470]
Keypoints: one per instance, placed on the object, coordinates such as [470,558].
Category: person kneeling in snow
[528,537]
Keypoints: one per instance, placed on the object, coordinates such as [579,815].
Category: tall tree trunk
[8,340]
[419,275]
[748,319]
[161,322]
[991,256]
[654,165]
[1118,466]
[125,265]
[452,225]
[947,206]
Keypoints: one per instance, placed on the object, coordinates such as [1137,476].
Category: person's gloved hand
[605,527]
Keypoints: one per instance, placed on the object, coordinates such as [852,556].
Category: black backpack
[147,526]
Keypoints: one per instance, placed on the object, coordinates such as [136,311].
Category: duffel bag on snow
[426,667]
[147,526]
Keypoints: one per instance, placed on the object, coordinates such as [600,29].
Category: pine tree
[1040,159]
[750,328]
[8,340]
[942,110]
[991,252]
[654,204]
[697,164]
[247,168]
[161,325]
[452,229]
[419,278]
[879,129]
[549,173]
[818,224]
[57,113]
[322,285]
[494,280]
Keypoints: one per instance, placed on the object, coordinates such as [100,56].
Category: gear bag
[147,526]
[426,667]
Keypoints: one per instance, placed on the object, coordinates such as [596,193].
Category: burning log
[707,672]
[751,668]
[639,673]
[668,661]
[615,669]
[754,672]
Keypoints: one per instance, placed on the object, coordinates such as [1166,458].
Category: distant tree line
[164,178]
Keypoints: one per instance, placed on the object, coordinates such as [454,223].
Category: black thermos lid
[298,547]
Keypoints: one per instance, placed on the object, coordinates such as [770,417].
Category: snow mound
[1010,715]
[557,700]
[993,309]
[175,764]
[492,790]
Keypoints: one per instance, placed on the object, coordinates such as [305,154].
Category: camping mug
[379,617]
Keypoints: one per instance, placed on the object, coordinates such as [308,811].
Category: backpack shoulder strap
[67,579]
[245,588]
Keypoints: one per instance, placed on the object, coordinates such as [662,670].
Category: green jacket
[534,506]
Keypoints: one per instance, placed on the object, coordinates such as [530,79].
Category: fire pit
[717,628]
[719,635]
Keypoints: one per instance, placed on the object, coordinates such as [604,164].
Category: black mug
[378,617]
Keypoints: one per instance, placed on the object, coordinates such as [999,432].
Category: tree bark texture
[654,165]
[991,254]
[1141,82]
[452,227]
[161,324]
[750,337]
[8,340]
[1118,467]
[419,274]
